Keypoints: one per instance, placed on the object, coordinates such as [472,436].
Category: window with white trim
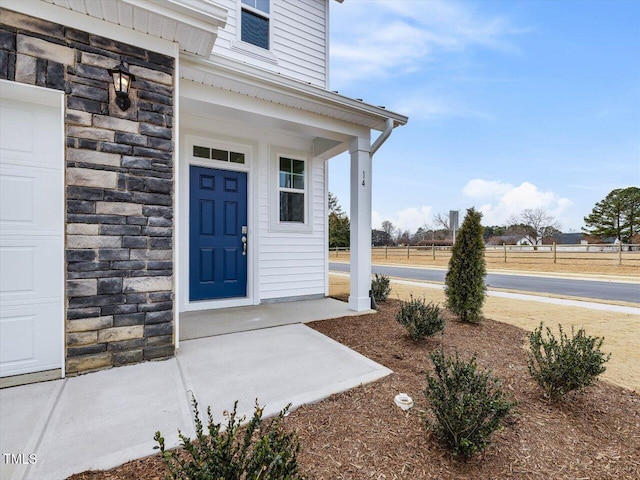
[254,22]
[291,190]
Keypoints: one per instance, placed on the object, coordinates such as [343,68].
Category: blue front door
[217,225]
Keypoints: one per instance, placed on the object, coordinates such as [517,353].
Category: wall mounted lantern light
[122,79]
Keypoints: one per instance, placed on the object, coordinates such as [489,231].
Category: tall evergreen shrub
[464,283]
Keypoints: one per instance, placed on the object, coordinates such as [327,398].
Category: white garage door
[31,230]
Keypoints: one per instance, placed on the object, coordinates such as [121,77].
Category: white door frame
[182,212]
[52,98]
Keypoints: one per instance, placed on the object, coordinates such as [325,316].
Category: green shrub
[261,450]
[565,364]
[421,319]
[464,282]
[468,404]
[380,287]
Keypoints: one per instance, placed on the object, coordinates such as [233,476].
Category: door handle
[244,245]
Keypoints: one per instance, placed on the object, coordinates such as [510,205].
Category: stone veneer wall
[119,194]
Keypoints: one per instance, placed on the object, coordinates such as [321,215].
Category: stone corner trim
[147,284]
[120,185]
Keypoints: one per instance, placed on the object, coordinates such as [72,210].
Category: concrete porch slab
[103,419]
[275,366]
[207,323]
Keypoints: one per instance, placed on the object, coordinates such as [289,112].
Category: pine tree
[464,283]
[617,215]
[339,233]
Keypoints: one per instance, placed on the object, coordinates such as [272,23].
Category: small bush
[380,287]
[468,404]
[262,450]
[560,366]
[421,319]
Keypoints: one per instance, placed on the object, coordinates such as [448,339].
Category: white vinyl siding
[293,264]
[298,43]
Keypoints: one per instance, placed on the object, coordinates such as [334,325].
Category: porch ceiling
[250,81]
[195,113]
[193,24]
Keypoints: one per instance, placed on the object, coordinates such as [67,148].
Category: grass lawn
[568,263]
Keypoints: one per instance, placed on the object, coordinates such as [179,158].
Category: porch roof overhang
[192,24]
[226,74]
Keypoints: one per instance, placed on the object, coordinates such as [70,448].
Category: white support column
[360,271]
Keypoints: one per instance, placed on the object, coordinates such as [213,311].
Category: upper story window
[255,22]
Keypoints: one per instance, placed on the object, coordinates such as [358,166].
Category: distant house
[595,239]
[380,238]
[208,192]
[569,238]
[507,240]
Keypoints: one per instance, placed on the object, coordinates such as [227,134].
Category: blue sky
[512,104]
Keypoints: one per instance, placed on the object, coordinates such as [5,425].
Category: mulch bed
[361,434]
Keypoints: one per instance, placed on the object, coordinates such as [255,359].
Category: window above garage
[254,22]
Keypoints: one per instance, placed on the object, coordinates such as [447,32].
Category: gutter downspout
[383,136]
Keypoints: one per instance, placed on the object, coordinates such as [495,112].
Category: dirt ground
[361,434]
[621,331]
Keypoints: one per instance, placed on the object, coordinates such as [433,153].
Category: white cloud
[376,219]
[426,105]
[478,188]
[382,38]
[503,200]
[408,219]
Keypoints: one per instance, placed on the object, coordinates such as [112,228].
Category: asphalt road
[616,291]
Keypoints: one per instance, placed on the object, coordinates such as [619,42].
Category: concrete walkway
[207,323]
[97,421]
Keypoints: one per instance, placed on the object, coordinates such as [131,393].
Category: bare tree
[442,227]
[403,237]
[441,221]
[534,224]
[388,228]
[421,234]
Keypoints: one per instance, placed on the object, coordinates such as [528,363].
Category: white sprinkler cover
[404,401]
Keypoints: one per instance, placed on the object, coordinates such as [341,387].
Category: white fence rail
[623,253]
